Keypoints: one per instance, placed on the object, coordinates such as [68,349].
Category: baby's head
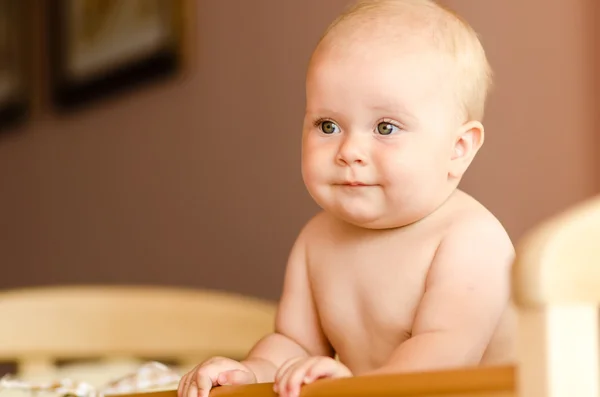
[396,92]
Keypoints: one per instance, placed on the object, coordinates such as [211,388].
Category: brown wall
[541,128]
[196,182]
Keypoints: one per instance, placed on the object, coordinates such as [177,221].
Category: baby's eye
[386,128]
[329,127]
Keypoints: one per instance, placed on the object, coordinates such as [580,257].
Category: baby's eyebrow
[395,111]
[392,107]
[390,110]
[323,112]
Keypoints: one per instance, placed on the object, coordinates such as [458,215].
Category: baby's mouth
[354,184]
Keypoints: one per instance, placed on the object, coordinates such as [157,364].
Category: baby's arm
[297,328]
[297,335]
[467,291]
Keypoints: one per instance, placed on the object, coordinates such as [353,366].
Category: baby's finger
[278,377]
[318,369]
[200,386]
[280,385]
[192,390]
[281,373]
[325,369]
[186,382]
[235,377]
[181,388]
[294,378]
[283,368]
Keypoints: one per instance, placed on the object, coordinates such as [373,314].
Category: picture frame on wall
[99,48]
[15,94]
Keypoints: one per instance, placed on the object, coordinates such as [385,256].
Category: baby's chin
[366,218]
[360,211]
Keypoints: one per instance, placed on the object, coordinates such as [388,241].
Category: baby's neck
[405,225]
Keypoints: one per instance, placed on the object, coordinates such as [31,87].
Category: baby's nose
[351,151]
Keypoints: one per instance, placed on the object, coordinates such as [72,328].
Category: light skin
[401,271]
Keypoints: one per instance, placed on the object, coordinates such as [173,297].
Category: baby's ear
[469,139]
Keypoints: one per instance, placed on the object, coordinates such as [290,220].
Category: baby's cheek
[313,180]
[394,167]
[315,164]
[404,182]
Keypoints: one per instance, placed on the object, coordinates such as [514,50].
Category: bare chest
[367,291]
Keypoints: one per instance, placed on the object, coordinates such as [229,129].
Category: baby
[401,271]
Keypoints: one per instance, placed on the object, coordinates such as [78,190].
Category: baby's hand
[214,372]
[297,372]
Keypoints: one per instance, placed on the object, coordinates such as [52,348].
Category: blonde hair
[451,33]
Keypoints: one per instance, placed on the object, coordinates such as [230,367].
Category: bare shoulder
[472,227]
[474,243]
[297,260]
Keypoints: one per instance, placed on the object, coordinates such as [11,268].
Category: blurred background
[157,142]
[187,173]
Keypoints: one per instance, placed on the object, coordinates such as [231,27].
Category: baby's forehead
[410,32]
[357,83]
[392,19]
[385,42]
[406,37]
[398,24]
[403,50]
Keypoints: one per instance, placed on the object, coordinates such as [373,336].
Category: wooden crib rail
[558,261]
[556,284]
[488,382]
